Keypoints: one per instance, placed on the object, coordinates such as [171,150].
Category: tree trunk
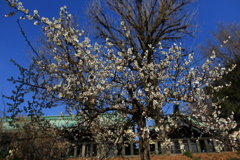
[143,140]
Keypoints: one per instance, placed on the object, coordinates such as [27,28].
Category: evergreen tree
[226,45]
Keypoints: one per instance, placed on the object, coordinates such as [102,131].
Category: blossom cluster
[167,143]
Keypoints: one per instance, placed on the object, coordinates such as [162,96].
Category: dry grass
[197,156]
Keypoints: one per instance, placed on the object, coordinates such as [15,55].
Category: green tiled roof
[54,121]
[61,121]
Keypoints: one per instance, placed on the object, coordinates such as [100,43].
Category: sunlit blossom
[99,75]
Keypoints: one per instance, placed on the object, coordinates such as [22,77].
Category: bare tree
[224,42]
[143,22]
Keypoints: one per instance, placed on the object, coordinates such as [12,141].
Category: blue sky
[13,46]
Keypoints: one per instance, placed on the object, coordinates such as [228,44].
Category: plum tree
[137,83]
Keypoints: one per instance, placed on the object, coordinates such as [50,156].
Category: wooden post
[206,145]
[131,149]
[98,150]
[189,145]
[198,146]
[215,145]
[163,150]
[156,147]
[66,152]
[173,148]
[75,151]
[83,150]
[91,150]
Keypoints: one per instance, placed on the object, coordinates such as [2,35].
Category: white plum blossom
[167,144]
[94,79]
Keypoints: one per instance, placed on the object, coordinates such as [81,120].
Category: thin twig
[26,39]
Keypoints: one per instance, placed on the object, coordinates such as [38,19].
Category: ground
[200,156]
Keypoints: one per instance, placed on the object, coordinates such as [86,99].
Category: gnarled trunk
[143,140]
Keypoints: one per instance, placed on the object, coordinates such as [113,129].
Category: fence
[92,149]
